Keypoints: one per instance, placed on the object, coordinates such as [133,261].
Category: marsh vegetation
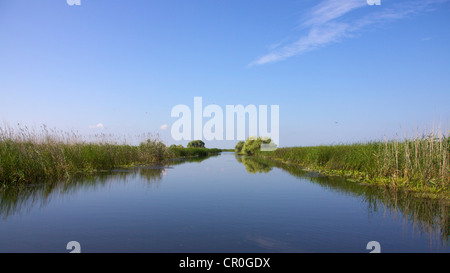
[420,164]
[27,155]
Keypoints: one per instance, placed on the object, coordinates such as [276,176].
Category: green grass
[419,164]
[27,156]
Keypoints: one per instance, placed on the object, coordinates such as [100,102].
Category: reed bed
[420,163]
[27,155]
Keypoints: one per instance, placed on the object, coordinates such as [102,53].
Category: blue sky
[340,71]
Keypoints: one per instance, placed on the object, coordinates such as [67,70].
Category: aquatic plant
[420,162]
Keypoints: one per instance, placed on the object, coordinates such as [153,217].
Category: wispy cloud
[163,127]
[328,22]
[329,10]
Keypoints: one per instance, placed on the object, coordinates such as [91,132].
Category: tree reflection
[253,164]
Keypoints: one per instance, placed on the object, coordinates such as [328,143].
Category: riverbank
[28,157]
[420,166]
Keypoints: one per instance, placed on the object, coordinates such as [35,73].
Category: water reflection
[253,165]
[22,198]
[428,216]
[222,211]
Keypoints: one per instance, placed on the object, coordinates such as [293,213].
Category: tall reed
[418,162]
[27,155]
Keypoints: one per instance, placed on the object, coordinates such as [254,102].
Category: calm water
[218,204]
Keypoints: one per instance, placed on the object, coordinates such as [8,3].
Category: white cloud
[324,25]
[163,127]
[98,126]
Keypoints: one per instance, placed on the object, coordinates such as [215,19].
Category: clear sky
[340,71]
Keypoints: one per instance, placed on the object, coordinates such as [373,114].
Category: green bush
[196,144]
[253,145]
[239,146]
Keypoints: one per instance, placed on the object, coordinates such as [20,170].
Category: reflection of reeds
[420,163]
[26,155]
[428,216]
[23,197]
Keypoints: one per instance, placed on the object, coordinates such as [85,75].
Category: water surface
[224,203]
